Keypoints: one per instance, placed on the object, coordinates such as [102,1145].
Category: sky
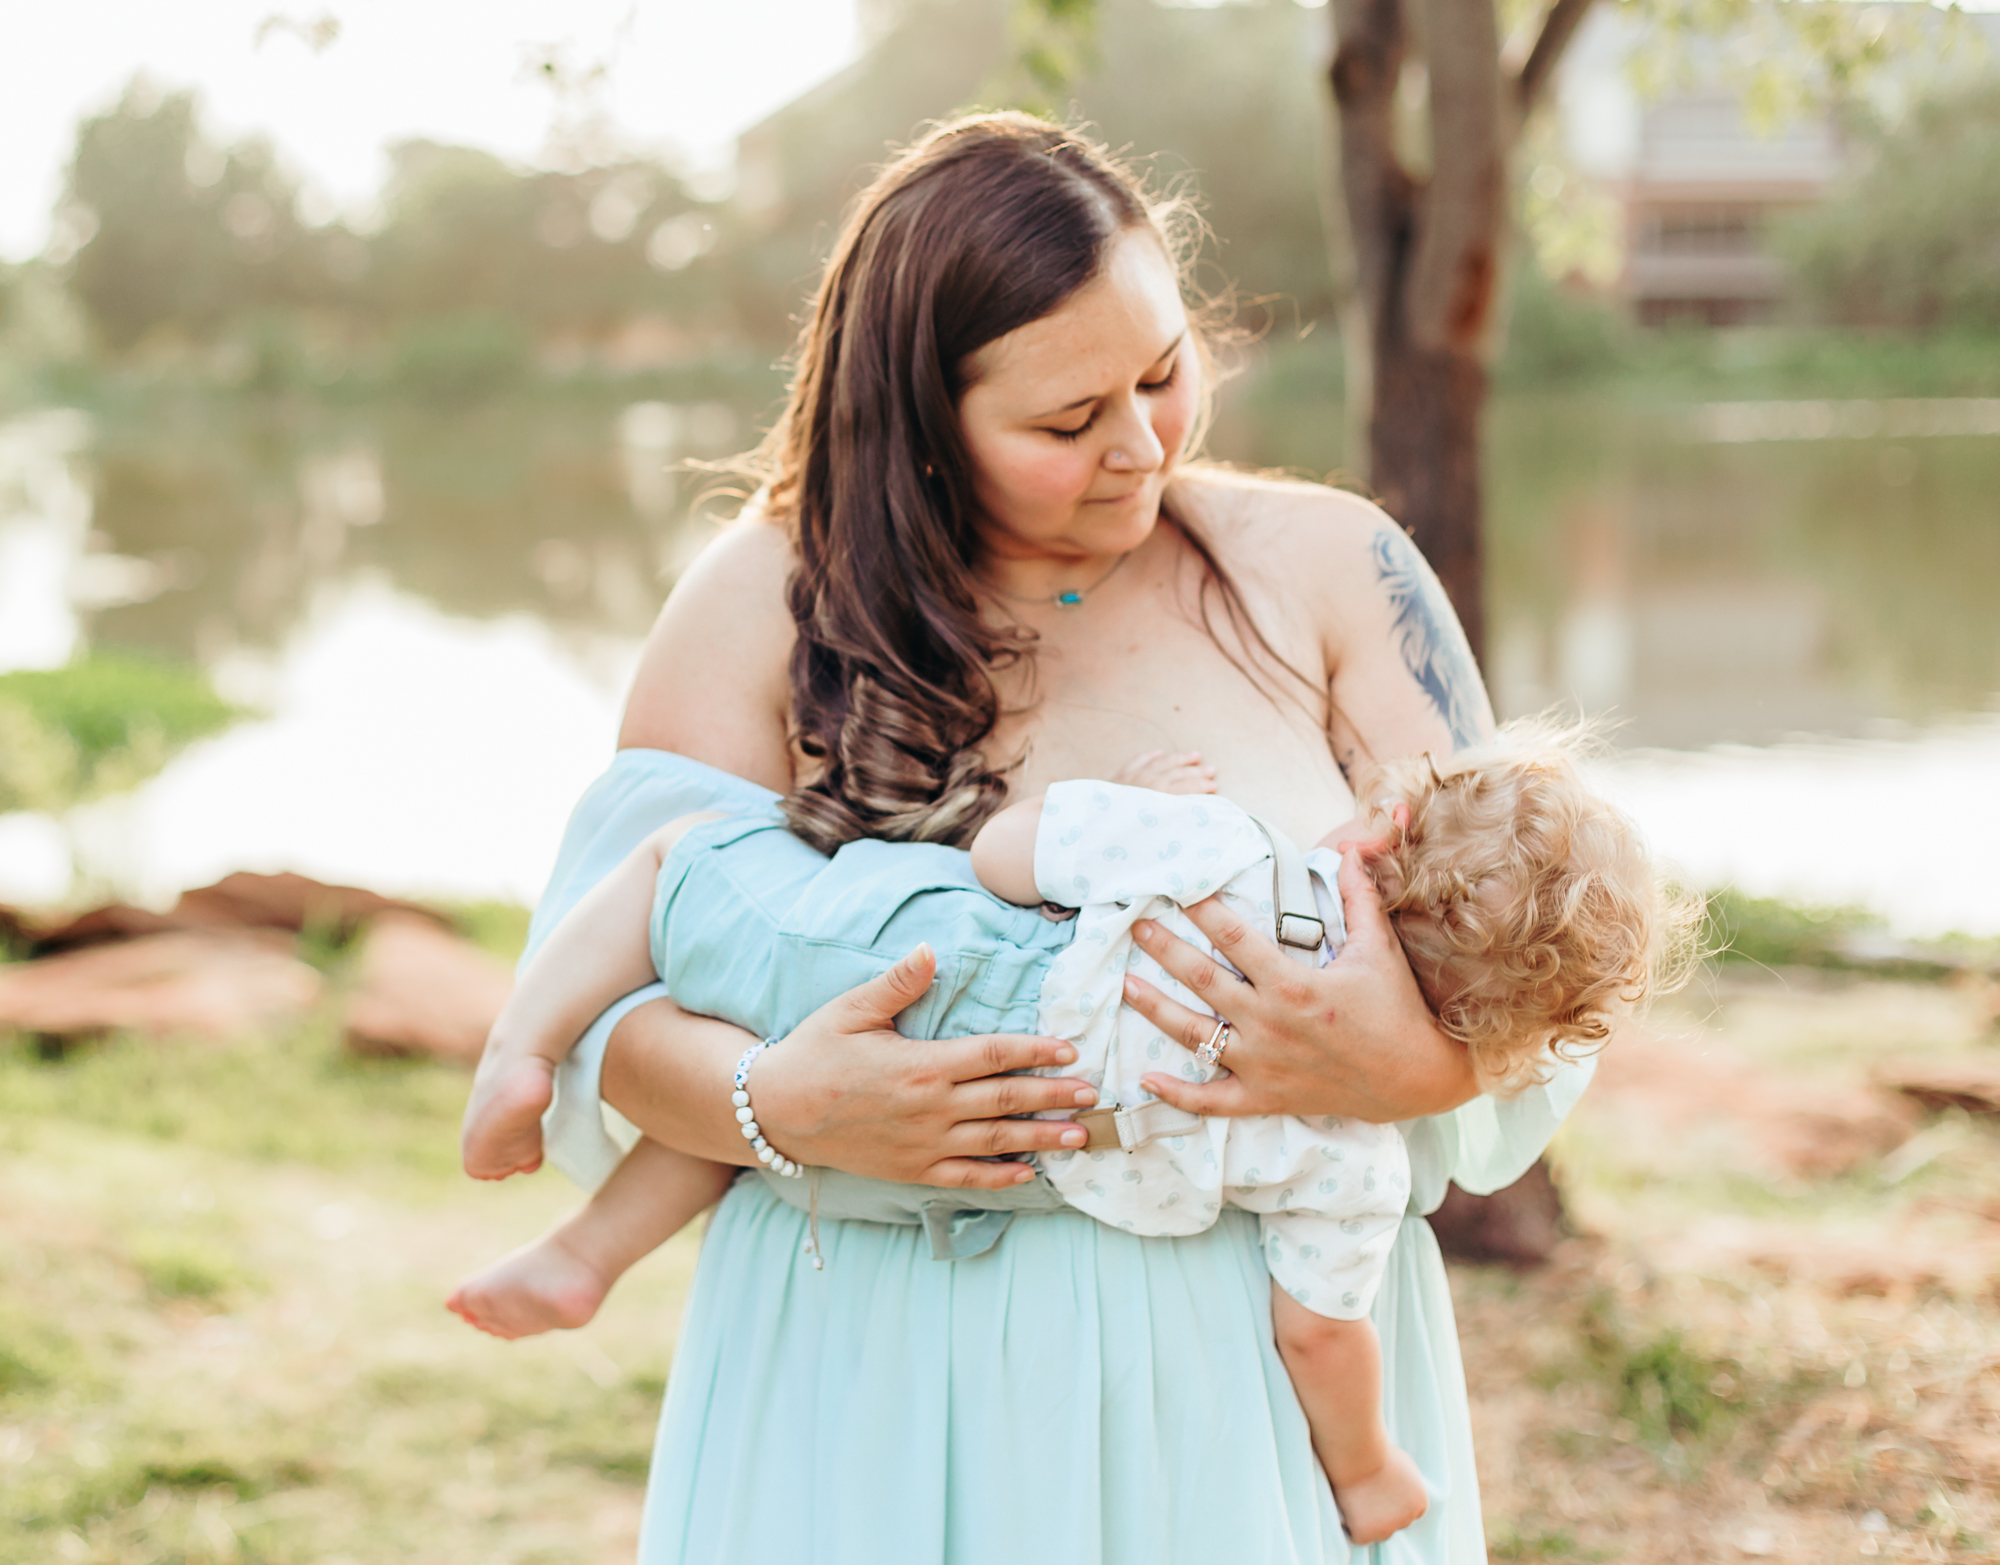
[686,75]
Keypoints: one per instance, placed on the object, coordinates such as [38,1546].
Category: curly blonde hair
[1529,908]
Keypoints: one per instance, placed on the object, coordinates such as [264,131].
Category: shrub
[1913,239]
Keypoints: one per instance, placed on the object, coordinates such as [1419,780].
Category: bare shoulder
[713,679]
[743,566]
[1315,544]
[1307,523]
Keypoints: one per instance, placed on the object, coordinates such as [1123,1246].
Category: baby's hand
[1164,773]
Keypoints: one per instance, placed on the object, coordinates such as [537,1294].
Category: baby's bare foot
[503,1118]
[1184,772]
[543,1286]
[1384,1501]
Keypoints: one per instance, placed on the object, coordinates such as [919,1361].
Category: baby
[1527,907]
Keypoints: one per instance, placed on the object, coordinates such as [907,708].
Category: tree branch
[1558,28]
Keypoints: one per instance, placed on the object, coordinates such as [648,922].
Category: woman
[982,565]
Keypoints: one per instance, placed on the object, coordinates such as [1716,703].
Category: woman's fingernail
[1065,1055]
[1143,930]
[1075,1138]
[1085,1097]
[1024,1176]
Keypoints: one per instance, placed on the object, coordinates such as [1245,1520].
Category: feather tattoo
[1434,649]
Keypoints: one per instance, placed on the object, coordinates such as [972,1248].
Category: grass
[221,1272]
[295,1099]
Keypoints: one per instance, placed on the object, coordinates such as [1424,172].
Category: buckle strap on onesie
[1301,933]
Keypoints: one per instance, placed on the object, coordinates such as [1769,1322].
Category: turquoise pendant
[1068,600]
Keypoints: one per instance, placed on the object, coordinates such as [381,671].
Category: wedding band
[1210,1053]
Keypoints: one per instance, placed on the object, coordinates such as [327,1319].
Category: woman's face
[1075,422]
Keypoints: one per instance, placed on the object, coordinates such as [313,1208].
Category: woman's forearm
[669,1072]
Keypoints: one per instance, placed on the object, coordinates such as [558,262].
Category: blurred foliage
[498,927]
[1559,333]
[1790,60]
[175,236]
[1912,240]
[178,248]
[1054,43]
[464,355]
[1774,933]
[99,726]
[175,248]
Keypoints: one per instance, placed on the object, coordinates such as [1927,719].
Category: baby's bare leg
[1336,1367]
[560,1279]
[601,950]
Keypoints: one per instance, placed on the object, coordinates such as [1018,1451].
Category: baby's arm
[1003,854]
[600,950]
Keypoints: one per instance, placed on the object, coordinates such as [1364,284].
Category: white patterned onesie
[1330,1191]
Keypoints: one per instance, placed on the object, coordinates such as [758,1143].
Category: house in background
[1696,184]
[1698,199]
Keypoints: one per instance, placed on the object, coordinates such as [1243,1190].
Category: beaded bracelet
[746,1118]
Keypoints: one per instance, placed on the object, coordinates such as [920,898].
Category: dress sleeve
[1108,842]
[641,791]
[1487,1144]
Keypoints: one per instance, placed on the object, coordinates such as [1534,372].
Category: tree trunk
[1426,266]
[1423,439]
[1425,249]
[1518,1226]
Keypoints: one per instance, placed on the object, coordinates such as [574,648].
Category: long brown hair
[983,226]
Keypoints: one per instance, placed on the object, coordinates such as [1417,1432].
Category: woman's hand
[846,1090]
[1354,1037]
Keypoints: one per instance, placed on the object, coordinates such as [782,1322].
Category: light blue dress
[980,1378]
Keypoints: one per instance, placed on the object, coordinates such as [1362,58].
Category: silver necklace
[1072,597]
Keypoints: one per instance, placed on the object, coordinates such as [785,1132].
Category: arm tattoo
[1433,647]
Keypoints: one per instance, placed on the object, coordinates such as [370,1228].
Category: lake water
[1788,607]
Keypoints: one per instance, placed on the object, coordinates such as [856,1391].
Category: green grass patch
[1672,1398]
[1770,932]
[1514,1544]
[295,1098]
[191,1268]
[167,1462]
[36,1356]
[500,928]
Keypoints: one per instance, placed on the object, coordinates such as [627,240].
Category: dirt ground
[1775,1336]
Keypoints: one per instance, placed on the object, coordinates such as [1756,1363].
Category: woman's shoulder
[1264,523]
[733,591]
[713,680]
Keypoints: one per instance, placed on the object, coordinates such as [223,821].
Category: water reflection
[1730,574]
[209,528]
[1716,590]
